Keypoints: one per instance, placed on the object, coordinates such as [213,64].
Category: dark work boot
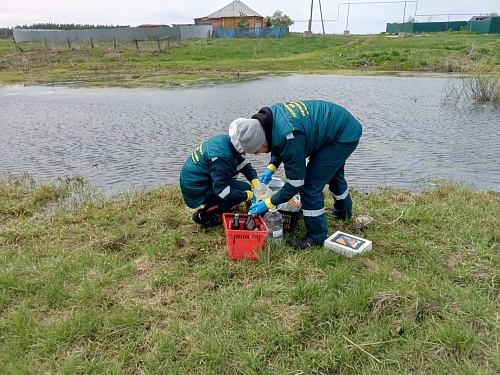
[206,219]
[302,244]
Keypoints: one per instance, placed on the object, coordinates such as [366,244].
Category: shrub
[481,85]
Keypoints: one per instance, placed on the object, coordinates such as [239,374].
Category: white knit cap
[233,133]
[250,134]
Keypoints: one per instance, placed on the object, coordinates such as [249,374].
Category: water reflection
[125,138]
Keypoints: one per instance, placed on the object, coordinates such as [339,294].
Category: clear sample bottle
[262,192]
[274,222]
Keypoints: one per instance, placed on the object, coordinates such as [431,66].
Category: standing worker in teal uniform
[208,178]
[322,131]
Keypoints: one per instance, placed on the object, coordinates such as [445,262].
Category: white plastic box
[347,244]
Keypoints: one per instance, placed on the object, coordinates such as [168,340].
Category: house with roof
[229,17]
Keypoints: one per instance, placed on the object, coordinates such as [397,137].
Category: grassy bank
[131,286]
[227,59]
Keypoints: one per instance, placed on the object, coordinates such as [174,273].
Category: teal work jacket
[209,170]
[300,129]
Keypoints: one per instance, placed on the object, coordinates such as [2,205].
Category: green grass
[127,285]
[230,58]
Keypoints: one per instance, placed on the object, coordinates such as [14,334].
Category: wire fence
[159,45]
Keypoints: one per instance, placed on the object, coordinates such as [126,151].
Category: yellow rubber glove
[254,182]
[249,194]
[268,203]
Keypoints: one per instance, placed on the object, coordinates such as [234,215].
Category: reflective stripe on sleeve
[296,183]
[224,193]
[242,165]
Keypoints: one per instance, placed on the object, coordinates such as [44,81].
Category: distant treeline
[64,26]
[6,32]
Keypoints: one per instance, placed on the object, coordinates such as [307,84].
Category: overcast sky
[367,18]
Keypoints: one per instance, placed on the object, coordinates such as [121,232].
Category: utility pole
[402,33]
[310,18]
[309,31]
[321,13]
[346,31]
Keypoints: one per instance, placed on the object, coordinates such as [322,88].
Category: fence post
[159,47]
[136,45]
[91,42]
[15,43]
[45,40]
[114,42]
[69,44]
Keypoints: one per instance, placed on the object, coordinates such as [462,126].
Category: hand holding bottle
[258,208]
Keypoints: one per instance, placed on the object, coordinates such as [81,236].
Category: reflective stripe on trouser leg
[313,202]
[341,196]
[316,224]
[322,167]
[342,206]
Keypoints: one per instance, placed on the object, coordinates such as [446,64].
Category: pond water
[123,139]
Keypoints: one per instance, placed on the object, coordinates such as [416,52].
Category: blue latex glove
[266,176]
[258,208]
[254,199]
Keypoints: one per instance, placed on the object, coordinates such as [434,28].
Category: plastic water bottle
[293,205]
[274,222]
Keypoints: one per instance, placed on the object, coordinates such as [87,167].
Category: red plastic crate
[243,243]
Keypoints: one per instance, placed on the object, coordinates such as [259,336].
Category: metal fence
[425,27]
[252,32]
[117,34]
[180,32]
[490,25]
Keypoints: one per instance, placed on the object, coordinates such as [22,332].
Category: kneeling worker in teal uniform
[324,132]
[208,178]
